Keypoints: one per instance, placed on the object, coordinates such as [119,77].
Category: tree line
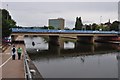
[7,23]
[108,26]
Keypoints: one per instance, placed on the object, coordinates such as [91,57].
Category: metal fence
[62,31]
[28,75]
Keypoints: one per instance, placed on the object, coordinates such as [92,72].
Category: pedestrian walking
[19,52]
[13,52]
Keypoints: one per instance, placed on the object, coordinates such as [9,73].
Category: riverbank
[14,69]
[36,74]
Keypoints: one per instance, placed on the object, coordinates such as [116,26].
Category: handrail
[27,30]
[28,74]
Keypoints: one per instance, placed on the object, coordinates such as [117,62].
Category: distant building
[57,23]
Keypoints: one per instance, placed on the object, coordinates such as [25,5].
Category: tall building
[119,10]
[57,23]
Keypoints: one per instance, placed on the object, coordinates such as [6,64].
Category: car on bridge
[7,39]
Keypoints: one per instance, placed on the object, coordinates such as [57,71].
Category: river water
[73,59]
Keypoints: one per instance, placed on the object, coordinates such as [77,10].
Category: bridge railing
[62,31]
[28,75]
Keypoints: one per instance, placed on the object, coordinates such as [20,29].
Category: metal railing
[62,31]
[28,75]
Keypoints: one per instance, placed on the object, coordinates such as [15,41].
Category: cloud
[60,0]
[38,13]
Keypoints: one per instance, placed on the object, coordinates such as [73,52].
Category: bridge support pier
[54,40]
[54,49]
[85,39]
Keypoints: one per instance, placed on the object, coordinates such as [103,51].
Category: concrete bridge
[82,36]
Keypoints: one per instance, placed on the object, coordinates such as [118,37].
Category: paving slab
[12,68]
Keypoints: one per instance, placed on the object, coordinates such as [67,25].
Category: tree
[94,25]
[78,24]
[102,27]
[66,28]
[7,23]
[45,27]
[87,27]
[51,27]
[0,25]
[115,26]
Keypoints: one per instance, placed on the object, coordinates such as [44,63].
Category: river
[73,59]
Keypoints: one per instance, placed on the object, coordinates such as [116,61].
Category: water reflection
[78,50]
[74,60]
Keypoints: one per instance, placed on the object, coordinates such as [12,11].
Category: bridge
[82,35]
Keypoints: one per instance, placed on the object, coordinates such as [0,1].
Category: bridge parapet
[82,35]
[29,30]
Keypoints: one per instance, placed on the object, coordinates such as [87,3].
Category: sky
[28,14]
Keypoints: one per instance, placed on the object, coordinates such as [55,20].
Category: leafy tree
[94,25]
[0,26]
[66,28]
[0,19]
[78,23]
[7,23]
[102,27]
[115,26]
[45,27]
[51,27]
[88,27]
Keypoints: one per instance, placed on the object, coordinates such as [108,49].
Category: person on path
[19,52]
[13,52]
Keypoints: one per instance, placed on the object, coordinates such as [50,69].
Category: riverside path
[12,69]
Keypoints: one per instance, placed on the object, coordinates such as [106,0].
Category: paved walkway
[12,68]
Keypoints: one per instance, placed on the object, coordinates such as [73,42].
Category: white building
[57,23]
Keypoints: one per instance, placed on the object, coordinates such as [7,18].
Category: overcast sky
[38,13]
